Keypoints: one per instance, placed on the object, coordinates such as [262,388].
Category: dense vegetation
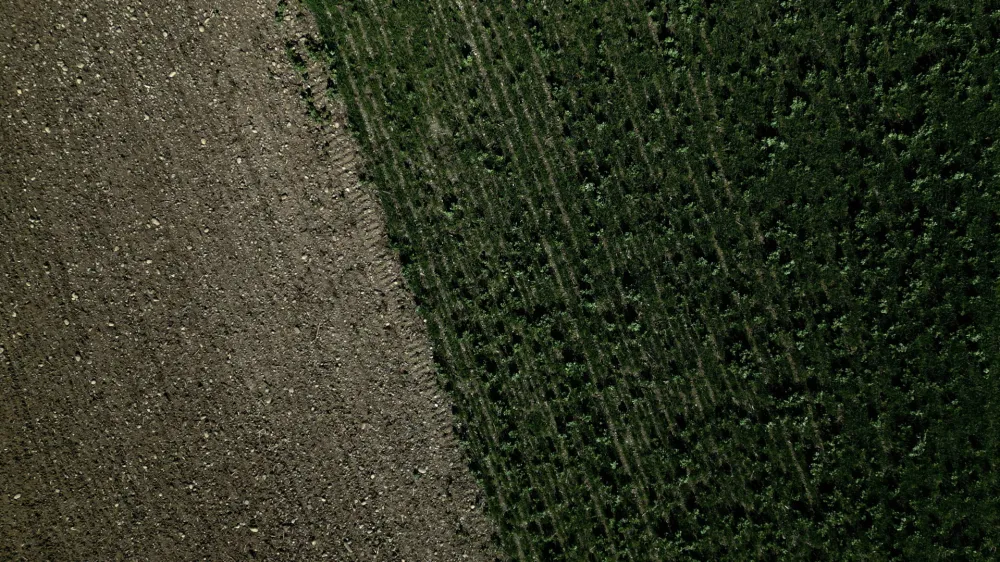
[706,280]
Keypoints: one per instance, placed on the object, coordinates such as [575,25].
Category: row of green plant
[705,280]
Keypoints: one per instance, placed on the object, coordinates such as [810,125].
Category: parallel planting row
[705,280]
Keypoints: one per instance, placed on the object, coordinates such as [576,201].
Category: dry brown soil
[206,351]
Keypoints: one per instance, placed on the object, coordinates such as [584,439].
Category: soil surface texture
[206,350]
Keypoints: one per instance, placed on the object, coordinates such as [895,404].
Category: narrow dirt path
[206,351]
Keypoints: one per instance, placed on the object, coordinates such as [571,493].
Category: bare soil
[206,350]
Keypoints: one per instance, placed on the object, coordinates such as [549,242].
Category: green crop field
[705,280]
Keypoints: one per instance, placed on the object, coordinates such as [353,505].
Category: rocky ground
[206,350]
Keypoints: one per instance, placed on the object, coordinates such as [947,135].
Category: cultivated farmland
[705,280]
[206,352]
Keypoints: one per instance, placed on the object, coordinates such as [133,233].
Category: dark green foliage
[706,280]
